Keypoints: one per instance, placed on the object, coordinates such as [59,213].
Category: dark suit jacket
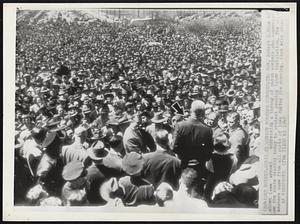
[193,141]
[160,167]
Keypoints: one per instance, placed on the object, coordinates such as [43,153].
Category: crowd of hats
[80,67]
[69,75]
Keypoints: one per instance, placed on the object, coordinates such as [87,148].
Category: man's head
[233,120]
[161,138]
[27,120]
[250,117]
[189,181]
[221,142]
[80,132]
[136,121]
[39,134]
[116,142]
[163,192]
[211,119]
[177,118]
[197,109]
[256,130]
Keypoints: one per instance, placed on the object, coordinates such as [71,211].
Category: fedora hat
[159,118]
[50,137]
[133,163]
[52,124]
[97,151]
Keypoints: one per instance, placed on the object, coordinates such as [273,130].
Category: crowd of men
[121,115]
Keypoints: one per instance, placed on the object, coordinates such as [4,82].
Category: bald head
[197,108]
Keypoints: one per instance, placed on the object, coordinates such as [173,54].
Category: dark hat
[146,114]
[50,137]
[97,151]
[51,124]
[73,170]
[159,118]
[133,163]
[51,105]
[106,95]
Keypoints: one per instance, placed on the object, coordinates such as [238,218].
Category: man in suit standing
[193,141]
[136,139]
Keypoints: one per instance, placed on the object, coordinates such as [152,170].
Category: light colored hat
[159,118]
[79,131]
[97,151]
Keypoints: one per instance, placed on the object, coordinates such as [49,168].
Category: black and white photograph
[138,108]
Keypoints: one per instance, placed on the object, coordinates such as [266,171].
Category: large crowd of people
[119,115]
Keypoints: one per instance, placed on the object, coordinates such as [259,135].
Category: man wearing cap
[157,124]
[193,139]
[135,190]
[74,190]
[108,165]
[50,166]
[137,140]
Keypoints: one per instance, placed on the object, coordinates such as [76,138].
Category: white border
[94,213]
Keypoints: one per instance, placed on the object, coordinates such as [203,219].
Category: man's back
[73,152]
[192,140]
[160,167]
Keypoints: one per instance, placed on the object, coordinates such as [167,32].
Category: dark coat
[95,178]
[160,167]
[193,141]
[137,141]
